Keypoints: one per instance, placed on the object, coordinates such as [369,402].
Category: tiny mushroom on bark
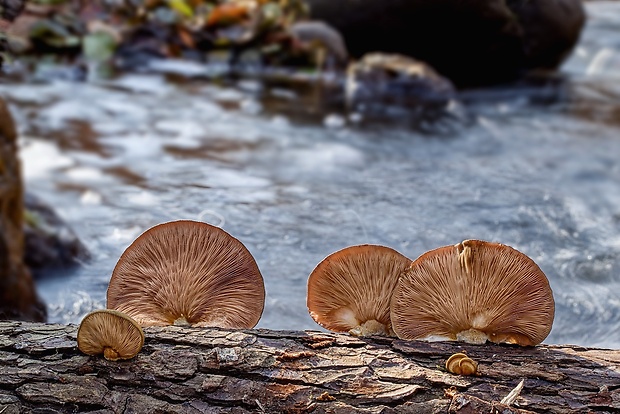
[350,290]
[188,273]
[473,292]
[461,364]
[111,333]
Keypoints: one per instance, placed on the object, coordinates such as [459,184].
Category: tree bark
[186,370]
[18,298]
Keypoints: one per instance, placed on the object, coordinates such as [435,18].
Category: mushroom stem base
[472,336]
[110,354]
[182,321]
[372,328]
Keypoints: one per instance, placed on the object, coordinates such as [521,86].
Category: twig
[512,395]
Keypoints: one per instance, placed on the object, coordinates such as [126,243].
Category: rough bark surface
[185,370]
[18,299]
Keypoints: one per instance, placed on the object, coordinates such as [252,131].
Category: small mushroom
[473,292]
[111,333]
[350,290]
[188,273]
[461,364]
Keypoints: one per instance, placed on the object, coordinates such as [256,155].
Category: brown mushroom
[188,273]
[350,290]
[473,292]
[111,333]
[461,364]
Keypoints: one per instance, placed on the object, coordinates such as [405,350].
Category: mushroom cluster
[194,274]
[461,364]
[177,273]
[474,291]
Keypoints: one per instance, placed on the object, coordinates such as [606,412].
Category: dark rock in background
[391,79]
[50,244]
[398,89]
[320,36]
[472,42]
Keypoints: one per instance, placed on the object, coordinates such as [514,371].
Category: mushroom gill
[111,333]
[473,292]
[350,290]
[188,273]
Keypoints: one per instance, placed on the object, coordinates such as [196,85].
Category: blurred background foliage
[97,31]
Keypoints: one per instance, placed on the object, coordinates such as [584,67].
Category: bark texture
[184,370]
[18,299]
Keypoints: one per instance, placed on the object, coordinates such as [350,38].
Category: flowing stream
[535,170]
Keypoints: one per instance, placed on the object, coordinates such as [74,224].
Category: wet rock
[51,245]
[18,299]
[324,39]
[549,29]
[395,80]
[402,91]
[472,42]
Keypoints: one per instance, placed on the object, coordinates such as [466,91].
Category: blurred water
[116,158]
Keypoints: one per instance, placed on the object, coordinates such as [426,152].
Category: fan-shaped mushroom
[111,333]
[188,273]
[473,292]
[461,364]
[350,290]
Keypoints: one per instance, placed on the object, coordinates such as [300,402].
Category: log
[201,370]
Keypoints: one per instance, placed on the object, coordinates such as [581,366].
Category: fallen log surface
[185,370]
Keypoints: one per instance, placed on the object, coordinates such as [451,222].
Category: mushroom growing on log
[111,333]
[350,290]
[461,364]
[187,272]
[473,292]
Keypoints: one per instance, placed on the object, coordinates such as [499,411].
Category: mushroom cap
[188,272]
[474,291]
[111,333]
[350,290]
[461,364]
